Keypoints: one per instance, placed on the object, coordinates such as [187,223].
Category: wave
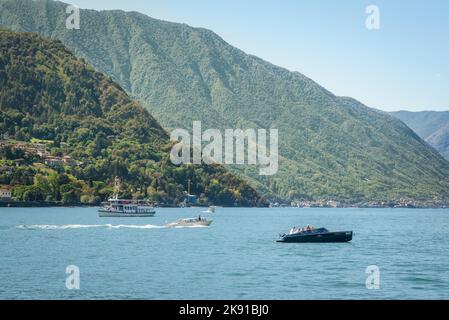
[84,226]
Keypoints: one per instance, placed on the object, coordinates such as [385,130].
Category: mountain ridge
[432,126]
[330,147]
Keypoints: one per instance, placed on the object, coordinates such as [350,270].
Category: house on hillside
[5,195]
[53,161]
[68,160]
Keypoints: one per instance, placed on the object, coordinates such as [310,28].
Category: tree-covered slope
[432,126]
[50,96]
[330,147]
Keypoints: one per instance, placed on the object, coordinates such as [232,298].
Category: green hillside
[55,107]
[330,147]
[432,126]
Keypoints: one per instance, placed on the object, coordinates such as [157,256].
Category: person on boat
[199,218]
[292,230]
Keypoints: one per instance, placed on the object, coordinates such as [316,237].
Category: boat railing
[130,202]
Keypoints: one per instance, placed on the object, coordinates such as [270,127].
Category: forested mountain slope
[330,147]
[53,107]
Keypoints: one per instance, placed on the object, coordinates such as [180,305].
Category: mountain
[432,126]
[330,147]
[72,130]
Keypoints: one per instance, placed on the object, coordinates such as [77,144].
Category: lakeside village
[402,203]
[38,149]
[37,154]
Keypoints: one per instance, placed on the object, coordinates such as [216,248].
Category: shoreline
[40,204]
[43,204]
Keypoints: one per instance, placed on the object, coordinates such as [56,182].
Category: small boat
[316,235]
[211,209]
[190,222]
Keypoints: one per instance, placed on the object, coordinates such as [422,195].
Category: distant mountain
[79,114]
[432,126]
[330,147]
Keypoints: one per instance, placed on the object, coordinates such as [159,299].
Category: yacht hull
[342,236]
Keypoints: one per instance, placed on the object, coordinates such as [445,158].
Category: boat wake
[146,226]
[85,226]
[189,227]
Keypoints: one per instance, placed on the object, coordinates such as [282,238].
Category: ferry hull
[106,214]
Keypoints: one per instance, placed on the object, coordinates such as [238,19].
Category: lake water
[236,258]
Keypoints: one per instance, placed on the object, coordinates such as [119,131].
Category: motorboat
[211,209]
[190,222]
[315,235]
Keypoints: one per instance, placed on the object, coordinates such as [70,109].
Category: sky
[403,65]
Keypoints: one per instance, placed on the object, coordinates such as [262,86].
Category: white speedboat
[190,222]
[211,209]
[120,208]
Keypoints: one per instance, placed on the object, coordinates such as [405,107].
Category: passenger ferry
[116,207]
[126,208]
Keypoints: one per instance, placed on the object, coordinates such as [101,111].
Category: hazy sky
[403,65]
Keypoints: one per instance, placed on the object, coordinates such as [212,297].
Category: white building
[5,195]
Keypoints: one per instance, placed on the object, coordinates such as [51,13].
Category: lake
[235,258]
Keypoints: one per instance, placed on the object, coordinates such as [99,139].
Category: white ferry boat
[116,207]
[126,208]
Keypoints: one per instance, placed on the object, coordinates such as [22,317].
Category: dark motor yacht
[315,235]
